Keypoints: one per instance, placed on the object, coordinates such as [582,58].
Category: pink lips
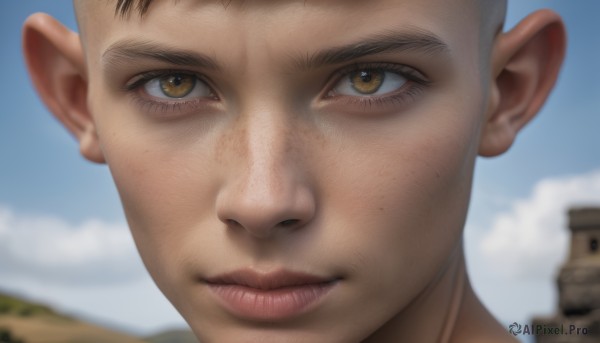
[271,296]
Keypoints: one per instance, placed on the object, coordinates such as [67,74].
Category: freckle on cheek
[234,141]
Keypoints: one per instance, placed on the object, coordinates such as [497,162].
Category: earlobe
[525,62]
[55,61]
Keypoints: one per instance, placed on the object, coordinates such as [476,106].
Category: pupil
[365,76]
[176,80]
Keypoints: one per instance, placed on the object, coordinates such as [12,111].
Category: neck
[431,316]
[446,311]
[439,313]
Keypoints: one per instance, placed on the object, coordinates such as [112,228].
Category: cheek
[420,203]
[409,198]
[165,184]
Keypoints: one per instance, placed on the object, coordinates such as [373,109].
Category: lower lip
[275,304]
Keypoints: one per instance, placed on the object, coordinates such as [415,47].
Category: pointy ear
[55,61]
[525,61]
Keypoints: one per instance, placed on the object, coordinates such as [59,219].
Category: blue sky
[44,180]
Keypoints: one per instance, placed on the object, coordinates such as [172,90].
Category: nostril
[289,222]
[232,222]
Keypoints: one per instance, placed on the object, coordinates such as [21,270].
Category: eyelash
[416,83]
[151,105]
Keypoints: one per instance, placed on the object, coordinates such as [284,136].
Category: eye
[177,86]
[369,81]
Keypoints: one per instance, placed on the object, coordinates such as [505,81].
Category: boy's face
[264,135]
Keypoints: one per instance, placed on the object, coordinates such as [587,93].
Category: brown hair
[124,7]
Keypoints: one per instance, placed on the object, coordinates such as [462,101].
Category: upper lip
[267,281]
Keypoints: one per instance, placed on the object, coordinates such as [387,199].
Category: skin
[273,170]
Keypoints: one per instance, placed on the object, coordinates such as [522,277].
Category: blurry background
[64,240]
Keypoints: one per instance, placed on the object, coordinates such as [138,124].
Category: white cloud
[531,239]
[49,249]
[87,269]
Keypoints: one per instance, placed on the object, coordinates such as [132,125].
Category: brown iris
[367,81]
[177,85]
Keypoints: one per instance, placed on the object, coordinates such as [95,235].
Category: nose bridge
[268,171]
[268,147]
[265,188]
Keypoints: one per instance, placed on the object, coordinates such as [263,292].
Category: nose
[267,191]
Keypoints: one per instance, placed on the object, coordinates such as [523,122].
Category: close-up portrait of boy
[300,171]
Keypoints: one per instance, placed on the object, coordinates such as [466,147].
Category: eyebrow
[416,40]
[133,50]
[386,42]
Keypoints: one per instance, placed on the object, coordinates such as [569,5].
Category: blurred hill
[173,336]
[23,321]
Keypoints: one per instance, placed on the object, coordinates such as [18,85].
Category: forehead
[268,31]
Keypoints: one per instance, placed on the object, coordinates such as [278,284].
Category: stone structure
[578,317]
